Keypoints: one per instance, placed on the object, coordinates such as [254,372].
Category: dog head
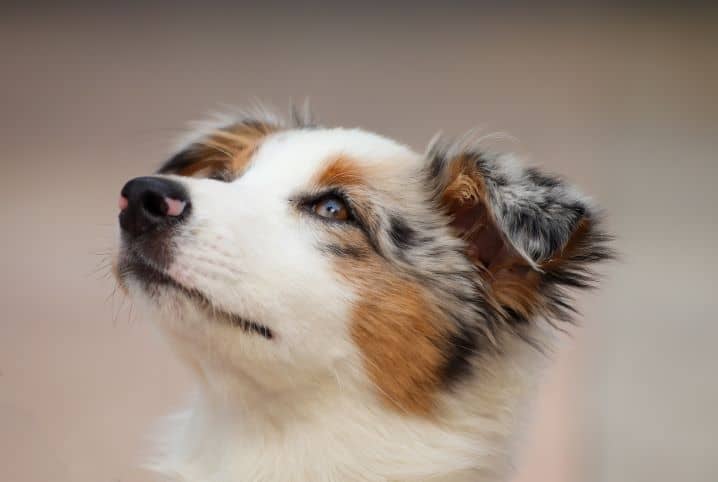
[284,255]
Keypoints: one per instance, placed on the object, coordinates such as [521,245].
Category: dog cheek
[402,349]
[401,337]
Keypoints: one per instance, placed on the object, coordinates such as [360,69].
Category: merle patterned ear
[529,234]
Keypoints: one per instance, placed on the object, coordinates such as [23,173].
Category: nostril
[159,206]
[154,204]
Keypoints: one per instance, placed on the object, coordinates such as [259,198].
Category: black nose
[152,203]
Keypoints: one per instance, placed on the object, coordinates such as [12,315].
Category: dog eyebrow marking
[348,176]
[341,171]
[222,154]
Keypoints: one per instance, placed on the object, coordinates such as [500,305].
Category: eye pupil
[332,208]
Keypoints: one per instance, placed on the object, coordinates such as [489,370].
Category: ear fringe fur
[555,229]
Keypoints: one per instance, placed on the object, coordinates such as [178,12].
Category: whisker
[112,293]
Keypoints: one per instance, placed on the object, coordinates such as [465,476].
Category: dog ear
[530,235]
[222,148]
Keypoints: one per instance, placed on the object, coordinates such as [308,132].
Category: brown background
[621,100]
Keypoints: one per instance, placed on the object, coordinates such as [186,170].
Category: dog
[352,310]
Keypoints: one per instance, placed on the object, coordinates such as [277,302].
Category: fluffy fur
[398,344]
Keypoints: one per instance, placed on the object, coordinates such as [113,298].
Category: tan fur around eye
[341,171]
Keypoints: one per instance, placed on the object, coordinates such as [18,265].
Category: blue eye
[331,207]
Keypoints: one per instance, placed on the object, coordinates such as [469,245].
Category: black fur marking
[575,273]
[513,317]
[352,252]
[541,179]
[437,165]
[403,236]
[463,344]
[180,161]
[192,155]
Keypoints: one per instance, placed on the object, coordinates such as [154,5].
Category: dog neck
[240,431]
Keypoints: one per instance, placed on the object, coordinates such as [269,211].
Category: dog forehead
[296,157]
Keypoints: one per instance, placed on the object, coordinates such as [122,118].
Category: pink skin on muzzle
[174,207]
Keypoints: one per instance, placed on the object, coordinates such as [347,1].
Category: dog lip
[153,276]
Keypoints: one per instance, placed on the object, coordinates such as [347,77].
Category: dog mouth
[152,277]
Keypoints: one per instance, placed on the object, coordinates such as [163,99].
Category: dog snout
[150,204]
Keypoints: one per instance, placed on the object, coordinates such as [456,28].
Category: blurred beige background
[621,100]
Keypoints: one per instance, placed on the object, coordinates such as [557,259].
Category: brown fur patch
[227,150]
[401,338]
[465,184]
[574,246]
[341,171]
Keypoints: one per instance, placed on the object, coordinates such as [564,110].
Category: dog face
[285,256]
